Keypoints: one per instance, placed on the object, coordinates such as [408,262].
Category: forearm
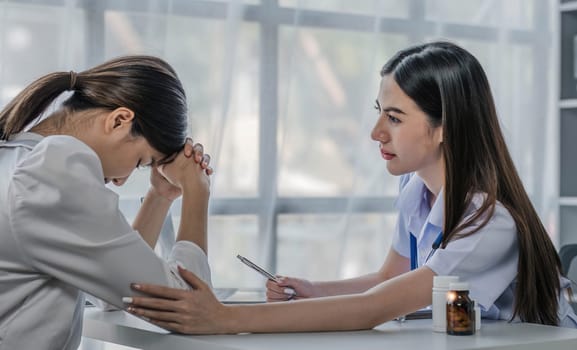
[347,286]
[339,313]
[398,296]
[151,216]
[193,219]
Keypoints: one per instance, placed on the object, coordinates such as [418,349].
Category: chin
[396,171]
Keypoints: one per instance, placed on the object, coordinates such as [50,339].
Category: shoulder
[59,187]
[500,217]
[495,231]
[57,171]
[60,157]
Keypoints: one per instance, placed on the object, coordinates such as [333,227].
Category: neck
[51,125]
[434,178]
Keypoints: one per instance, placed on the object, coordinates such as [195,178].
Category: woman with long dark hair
[462,211]
[61,231]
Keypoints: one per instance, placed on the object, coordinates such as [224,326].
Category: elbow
[374,311]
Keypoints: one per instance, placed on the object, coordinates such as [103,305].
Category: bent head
[445,87]
[131,110]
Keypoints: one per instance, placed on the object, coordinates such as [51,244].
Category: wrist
[153,194]
[231,316]
[195,190]
[316,290]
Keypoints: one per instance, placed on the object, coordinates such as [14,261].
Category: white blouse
[61,233]
[487,259]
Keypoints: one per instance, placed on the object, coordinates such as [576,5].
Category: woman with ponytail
[463,211]
[61,232]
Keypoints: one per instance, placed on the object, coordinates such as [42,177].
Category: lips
[387,155]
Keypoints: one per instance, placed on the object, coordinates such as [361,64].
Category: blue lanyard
[414,257]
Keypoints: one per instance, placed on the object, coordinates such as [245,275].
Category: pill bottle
[477,316]
[439,306]
[460,310]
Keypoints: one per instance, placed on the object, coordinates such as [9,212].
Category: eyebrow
[393,109]
[389,109]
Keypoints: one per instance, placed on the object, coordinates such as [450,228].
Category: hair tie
[72,80]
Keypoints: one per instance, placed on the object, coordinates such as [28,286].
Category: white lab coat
[487,259]
[61,233]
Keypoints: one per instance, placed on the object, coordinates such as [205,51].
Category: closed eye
[139,165]
[393,119]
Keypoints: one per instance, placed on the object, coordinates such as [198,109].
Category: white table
[122,328]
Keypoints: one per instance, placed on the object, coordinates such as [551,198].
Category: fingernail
[204,164]
[289,291]
[136,286]
[181,266]
[145,318]
[127,300]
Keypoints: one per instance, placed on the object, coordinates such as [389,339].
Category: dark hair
[146,85]
[450,86]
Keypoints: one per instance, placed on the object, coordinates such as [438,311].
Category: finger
[273,295]
[209,171]
[159,291]
[152,303]
[198,152]
[275,288]
[205,161]
[276,299]
[188,148]
[285,281]
[191,278]
[152,314]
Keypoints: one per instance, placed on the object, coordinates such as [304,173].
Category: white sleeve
[487,259]
[69,226]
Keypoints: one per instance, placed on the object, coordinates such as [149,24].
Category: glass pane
[328,83]
[516,14]
[333,246]
[228,236]
[222,107]
[383,8]
[27,34]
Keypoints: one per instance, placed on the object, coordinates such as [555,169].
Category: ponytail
[146,85]
[31,102]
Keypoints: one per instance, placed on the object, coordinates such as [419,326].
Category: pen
[266,274]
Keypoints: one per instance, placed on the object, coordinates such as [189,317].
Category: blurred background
[281,94]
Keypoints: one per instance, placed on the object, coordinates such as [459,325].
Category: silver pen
[265,273]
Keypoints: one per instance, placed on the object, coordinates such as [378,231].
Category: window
[281,93]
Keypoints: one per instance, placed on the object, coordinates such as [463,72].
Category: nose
[119,181]
[380,132]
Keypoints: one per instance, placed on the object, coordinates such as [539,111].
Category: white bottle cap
[459,286]
[444,281]
[477,316]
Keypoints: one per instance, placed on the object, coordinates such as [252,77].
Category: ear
[439,134]
[119,119]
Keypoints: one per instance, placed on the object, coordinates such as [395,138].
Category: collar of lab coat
[27,136]
[413,203]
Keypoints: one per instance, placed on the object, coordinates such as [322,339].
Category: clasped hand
[167,180]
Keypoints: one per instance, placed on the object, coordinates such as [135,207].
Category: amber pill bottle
[460,310]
